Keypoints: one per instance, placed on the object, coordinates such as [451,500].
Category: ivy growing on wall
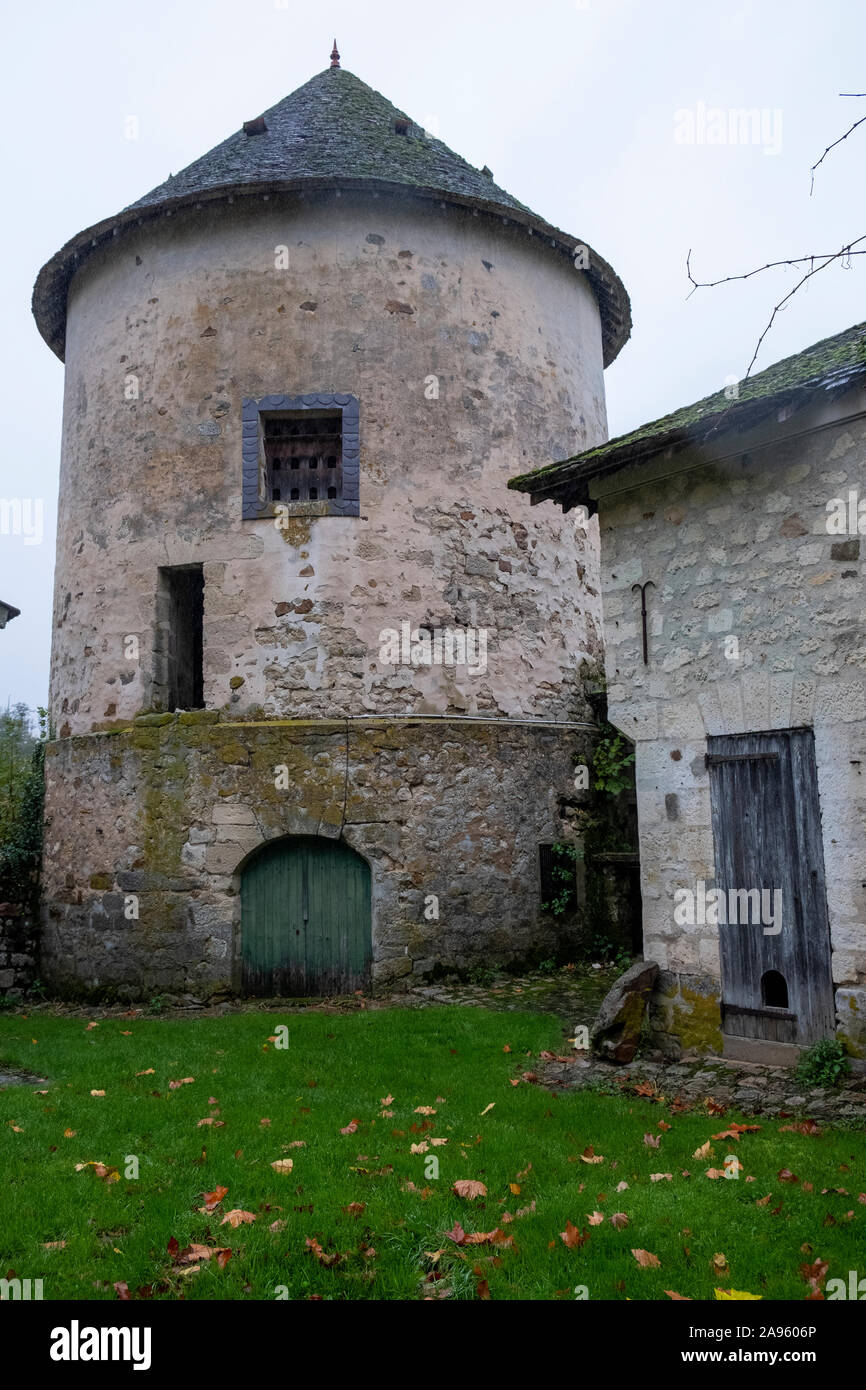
[22,794]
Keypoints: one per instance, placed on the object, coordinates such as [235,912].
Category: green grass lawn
[376,1237]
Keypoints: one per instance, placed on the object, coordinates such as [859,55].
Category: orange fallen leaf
[647,1260]
[282,1165]
[589,1155]
[97,1093]
[350,1127]
[595,1218]
[468,1188]
[236,1217]
[572,1237]
[213,1199]
[184,1081]
[148,1072]
[678,1297]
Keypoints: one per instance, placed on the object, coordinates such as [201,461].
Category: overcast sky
[590,111]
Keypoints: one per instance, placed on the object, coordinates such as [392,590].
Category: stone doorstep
[761,1050]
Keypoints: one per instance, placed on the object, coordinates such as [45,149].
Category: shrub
[823,1064]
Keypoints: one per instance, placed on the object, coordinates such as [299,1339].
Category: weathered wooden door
[305,919]
[767,833]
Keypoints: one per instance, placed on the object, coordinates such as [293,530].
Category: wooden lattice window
[301,453]
[304,456]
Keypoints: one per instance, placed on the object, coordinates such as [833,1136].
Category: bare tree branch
[826,259]
[771,265]
[848,132]
[817,262]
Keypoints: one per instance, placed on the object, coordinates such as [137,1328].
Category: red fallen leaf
[530,1076]
[184,1081]
[213,1199]
[785,1175]
[804,1127]
[764,1201]
[506,1048]
[483,1289]
[172,1247]
[734,1131]
[525,1211]
[350,1127]
[91,1025]
[121,1289]
[808,1187]
[572,1237]
[355,1208]
[661,1125]
[713,1107]
[321,1255]
[678,1297]
[619,1220]
[457,1234]
[222,1256]
[595,1218]
[217,1124]
[835,1191]
[646,1088]
[647,1260]
[652,1141]
[814,1274]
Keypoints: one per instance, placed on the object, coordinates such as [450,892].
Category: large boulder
[616,1032]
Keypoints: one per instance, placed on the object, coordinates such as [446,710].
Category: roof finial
[335,57]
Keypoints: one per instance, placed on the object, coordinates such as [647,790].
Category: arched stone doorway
[305,918]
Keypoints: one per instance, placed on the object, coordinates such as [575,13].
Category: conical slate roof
[333,132]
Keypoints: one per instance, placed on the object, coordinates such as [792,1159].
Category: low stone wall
[18,950]
[163,812]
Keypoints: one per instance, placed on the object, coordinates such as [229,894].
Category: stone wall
[737,544]
[474,351]
[170,807]
[18,951]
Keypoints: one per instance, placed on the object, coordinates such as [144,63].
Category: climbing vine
[22,793]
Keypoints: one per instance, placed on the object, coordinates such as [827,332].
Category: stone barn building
[318,677]
[733,566]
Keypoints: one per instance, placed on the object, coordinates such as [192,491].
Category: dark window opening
[179,644]
[774,990]
[558,881]
[303,441]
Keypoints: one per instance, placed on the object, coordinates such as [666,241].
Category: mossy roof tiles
[333,132]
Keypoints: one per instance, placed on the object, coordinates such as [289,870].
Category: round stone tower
[317,675]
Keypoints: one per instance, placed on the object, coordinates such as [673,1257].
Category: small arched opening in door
[774,990]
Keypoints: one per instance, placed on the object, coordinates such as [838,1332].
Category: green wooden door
[305,919]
